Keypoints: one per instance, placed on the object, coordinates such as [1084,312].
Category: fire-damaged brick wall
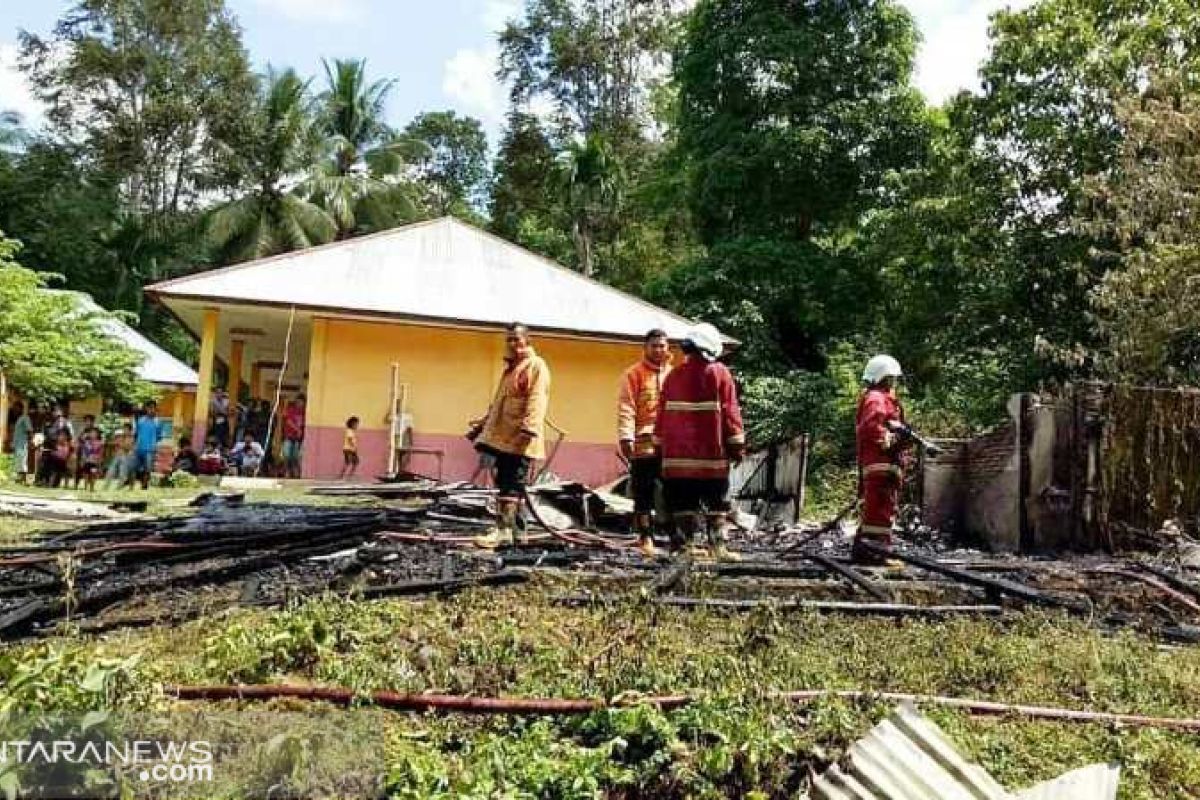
[971,489]
[1091,467]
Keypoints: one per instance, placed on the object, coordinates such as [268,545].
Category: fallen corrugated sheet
[1097,782]
[906,757]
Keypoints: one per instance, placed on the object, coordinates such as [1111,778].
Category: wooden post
[208,351]
[315,405]
[1024,471]
[802,490]
[256,380]
[394,422]
[177,412]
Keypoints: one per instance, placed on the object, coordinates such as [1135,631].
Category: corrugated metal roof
[906,757]
[158,366]
[1097,782]
[442,270]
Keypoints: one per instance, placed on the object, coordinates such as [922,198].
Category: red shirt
[293,423]
[698,418]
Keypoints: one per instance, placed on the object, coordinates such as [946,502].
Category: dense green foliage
[52,346]
[764,164]
[455,164]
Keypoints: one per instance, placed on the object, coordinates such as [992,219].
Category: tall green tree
[455,164]
[146,92]
[596,61]
[268,216]
[792,117]
[593,181]
[943,257]
[1147,306]
[357,177]
[597,71]
[67,217]
[147,87]
[1047,118]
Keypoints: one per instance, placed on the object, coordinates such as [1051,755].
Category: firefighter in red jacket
[881,449]
[699,432]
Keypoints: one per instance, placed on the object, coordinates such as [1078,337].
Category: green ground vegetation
[737,742]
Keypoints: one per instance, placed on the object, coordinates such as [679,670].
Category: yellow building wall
[167,398]
[451,376]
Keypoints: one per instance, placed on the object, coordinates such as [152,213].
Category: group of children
[55,454]
[244,458]
[127,455]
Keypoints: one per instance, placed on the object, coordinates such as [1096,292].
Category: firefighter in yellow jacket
[513,431]
[637,412]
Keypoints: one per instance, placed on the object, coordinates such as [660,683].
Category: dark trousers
[692,495]
[643,480]
[511,472]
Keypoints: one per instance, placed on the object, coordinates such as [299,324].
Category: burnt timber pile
[415,540]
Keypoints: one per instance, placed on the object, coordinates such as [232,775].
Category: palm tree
[593,179]
[270,217]
[359,177]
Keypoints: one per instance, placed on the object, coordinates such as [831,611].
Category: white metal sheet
[1097,782]
[906,757]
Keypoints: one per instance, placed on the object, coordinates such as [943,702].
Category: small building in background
[408,325]
[176,381]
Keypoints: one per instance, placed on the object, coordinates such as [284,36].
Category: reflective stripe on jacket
[698,419]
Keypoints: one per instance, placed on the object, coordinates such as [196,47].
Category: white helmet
[881,367]
[707,339]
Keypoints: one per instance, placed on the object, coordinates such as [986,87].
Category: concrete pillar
[236,349]
[315,391]
[208,352]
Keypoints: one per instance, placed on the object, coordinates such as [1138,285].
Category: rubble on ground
[415,538]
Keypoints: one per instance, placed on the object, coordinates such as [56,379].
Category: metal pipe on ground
[564,706]
[817,606]
[989,708]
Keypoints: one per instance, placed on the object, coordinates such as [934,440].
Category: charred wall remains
[1093,467]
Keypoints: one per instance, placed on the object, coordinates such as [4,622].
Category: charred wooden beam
[997,585]
[445,587]
[855,577]
[1173,580]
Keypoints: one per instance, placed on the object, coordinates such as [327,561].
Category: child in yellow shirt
[350,449]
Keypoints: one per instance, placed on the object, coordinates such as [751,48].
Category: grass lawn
[737,742]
